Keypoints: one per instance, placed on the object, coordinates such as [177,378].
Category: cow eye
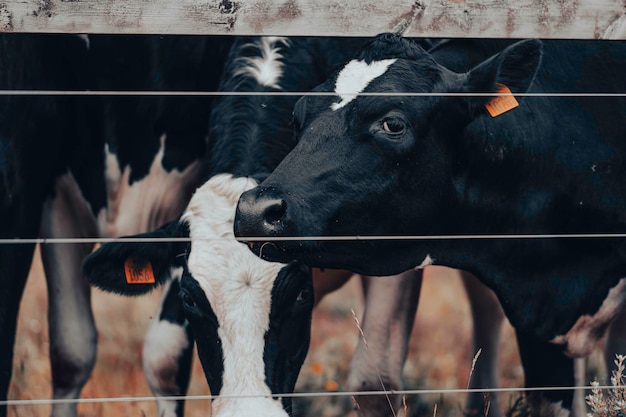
[187,299]
[393,125]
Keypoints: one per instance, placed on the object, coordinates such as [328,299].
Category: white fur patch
[163,346]
[84,38]
[162,350]
[176,272]
[426,262]
[268,68]
[584,335]
[238,285]
[146,204]
[355,77]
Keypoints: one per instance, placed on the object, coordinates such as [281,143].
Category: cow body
[37,134]
[138,162]
[437,166]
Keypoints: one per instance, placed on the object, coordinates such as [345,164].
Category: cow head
[250,318]
[376,165]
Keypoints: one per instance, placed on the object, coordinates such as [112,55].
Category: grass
[610,403]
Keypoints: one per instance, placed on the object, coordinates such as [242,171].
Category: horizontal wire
[310,238]
[301,395]
[287,93]
[46,240]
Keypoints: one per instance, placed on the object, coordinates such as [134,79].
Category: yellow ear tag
[251,245]
[501,104]
[138,273]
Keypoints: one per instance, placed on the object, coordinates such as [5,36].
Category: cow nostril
[261,213]
[274,213]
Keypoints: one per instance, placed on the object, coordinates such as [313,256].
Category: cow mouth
[276,251]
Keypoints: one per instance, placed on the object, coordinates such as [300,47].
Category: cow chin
[365,257]
[279,251]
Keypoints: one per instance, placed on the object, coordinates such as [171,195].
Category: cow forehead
[355,77]
[227,271]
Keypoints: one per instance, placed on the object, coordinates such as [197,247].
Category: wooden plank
[582,19]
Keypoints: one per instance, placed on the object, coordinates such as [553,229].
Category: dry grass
[613,403]
[440,353]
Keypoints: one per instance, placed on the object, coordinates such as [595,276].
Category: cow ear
[137,267]
[515,67]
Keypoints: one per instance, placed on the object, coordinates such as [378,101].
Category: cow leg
[15,261]
[70,319]
[487,318]
[545,365]
[377,364]
[168,353]
[579,408]
[615,342]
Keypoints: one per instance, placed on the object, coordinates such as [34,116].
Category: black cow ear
[136,267]
[515,68]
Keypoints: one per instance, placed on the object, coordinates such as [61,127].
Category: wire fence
[289,94]
[133,239]
[95,240]
[301,395]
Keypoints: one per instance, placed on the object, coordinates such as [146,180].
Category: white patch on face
[238,285]
[355,77]
[584,335]
[268,68]
[146,204]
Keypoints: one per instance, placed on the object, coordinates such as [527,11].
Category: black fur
[105,267]
[553,165]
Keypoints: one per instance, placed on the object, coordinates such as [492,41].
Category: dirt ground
[440,355]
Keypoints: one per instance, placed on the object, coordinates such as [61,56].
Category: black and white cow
[36,139]
[137,162]
[438,165]
[247,344]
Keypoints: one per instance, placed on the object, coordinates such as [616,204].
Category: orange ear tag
[138,273]
[501,104]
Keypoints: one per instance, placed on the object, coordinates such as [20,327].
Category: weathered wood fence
[574,19]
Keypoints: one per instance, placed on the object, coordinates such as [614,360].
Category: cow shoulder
[140,265]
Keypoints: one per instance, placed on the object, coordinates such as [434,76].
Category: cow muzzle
[264,220]
[260,213]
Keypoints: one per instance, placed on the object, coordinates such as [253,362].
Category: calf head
[250,318]
[376,165]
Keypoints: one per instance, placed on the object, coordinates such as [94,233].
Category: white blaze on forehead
[266,69]
[238,285]
[355,77]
